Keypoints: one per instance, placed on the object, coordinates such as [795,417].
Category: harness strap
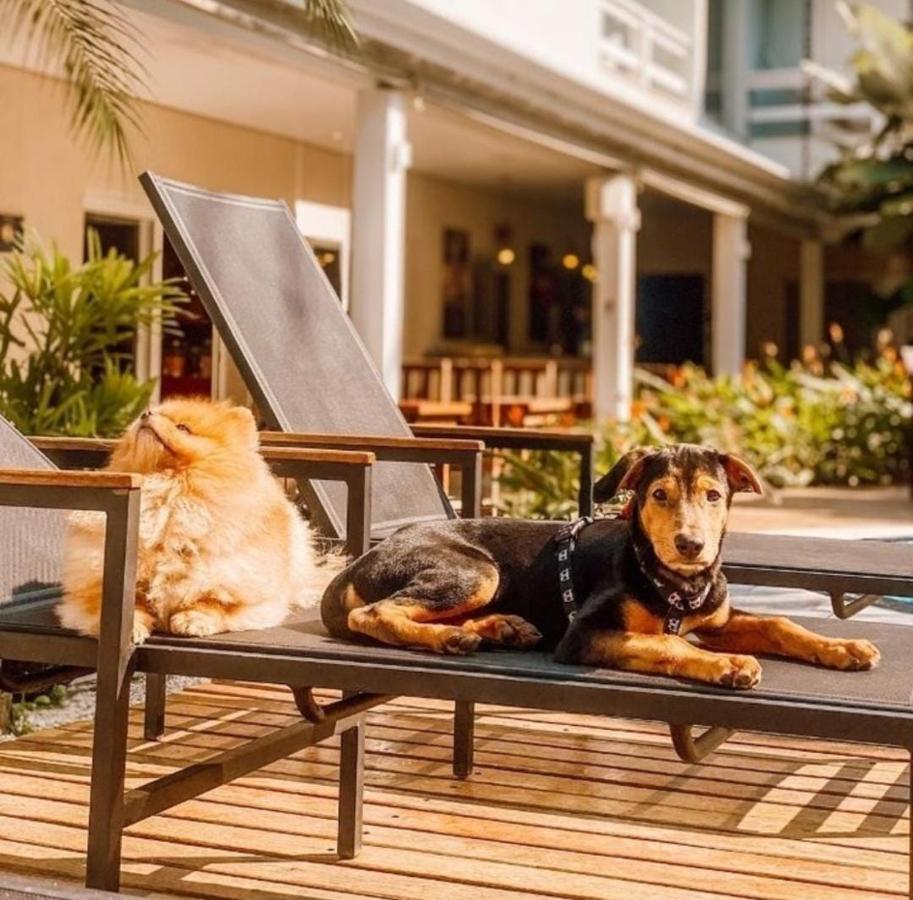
[679,603]
[565,544]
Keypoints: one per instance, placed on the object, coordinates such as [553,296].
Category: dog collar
[680,602]
[565,544]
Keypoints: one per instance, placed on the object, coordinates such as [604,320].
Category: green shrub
[813,423]
[65,333]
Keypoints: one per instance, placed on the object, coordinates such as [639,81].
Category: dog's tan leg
[417,622]
[778,636]
[666,654]
[507,631]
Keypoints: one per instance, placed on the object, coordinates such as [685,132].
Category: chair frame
[115,658]
[111,810]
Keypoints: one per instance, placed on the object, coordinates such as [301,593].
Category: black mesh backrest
[31,540]
[286,331]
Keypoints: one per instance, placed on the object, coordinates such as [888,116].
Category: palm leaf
[96,46]
[326,19]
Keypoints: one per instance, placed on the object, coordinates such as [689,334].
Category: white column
[611,205]
[729,292]
[382,156]
[811,292]
[734,66]
[698,74]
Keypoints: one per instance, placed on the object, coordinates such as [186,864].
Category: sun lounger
[290,338]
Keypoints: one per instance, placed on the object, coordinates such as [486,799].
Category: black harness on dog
[680,602]
[565,544]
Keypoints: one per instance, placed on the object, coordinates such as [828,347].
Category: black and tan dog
[617,593]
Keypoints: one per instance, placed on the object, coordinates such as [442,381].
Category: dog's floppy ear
[623,476]
[740,475]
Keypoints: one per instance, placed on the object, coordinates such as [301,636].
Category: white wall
[561,37]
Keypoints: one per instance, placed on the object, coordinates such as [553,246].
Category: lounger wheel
[696,749]
[847,605]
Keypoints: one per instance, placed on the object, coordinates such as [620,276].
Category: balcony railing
[765,85]
[646,49]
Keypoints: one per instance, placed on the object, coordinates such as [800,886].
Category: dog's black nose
[689,547]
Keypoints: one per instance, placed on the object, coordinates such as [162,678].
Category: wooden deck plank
[559,806]
[767,808]
[228,829]
[463,837]
[844,827]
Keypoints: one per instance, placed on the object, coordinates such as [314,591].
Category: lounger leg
[351,790]
[106,803]
[154,715]
[464,713]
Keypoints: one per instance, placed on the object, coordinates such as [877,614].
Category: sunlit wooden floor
[559,806]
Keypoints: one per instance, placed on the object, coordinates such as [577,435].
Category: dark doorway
[329,260]
[670,319]
[792,311]
[851,305]
[187,347]
[120,234]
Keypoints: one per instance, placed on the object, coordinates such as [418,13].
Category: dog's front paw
[739,672]
[505,631]
[458,642]
[849,655]
[194,623]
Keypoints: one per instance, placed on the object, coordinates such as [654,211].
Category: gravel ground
[80,703]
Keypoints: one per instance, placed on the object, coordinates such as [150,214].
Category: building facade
[614,180]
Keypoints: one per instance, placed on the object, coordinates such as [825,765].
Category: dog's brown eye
[182,427]
[660,495]
[713,496]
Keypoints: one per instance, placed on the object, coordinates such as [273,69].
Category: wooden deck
[558,806]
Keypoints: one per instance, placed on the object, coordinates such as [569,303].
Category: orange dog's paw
[739,672]
[141,631]
[195,623]
[849,655]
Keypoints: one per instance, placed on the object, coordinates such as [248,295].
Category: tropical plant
[98,48]
[814,422]
[65,334]
[874,178]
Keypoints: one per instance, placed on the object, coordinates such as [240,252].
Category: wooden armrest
[375,443]
[118,481]
[57,447]
[527,438]
[305,454]
[50,444]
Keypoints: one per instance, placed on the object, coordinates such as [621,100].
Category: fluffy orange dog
[221,548]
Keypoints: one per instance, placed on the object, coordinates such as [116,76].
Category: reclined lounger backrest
[289,336]
[32,539]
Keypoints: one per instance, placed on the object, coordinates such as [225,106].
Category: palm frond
[326,19]
[96,46]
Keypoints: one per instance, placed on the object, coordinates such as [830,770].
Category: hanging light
[590,272]
[506,256]
[570,261]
